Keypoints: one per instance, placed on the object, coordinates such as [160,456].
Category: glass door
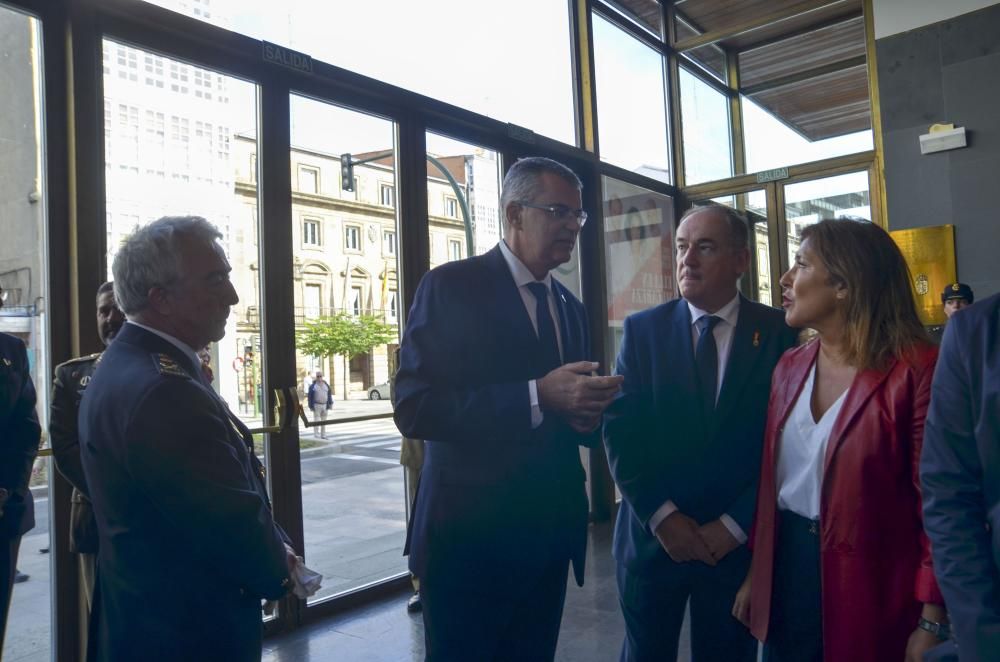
[760,283]
[23,310]
[778,212]
[811,201]
[345,256]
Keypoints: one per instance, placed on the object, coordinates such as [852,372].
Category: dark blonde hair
[882,320]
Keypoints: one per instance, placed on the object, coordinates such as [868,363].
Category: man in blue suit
[960,477]
[19,436]
[187,547]
[684,444]
[494,375]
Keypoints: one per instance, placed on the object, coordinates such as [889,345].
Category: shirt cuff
[536,410]
[662,513]
[733,528]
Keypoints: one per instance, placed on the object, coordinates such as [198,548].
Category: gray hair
[150,258]
[523,180]
[739,235]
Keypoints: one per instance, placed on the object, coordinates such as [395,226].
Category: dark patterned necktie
[706,360]
[546,327]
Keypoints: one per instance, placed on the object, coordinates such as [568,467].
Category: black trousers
[486,622]
[8,565]
[653,604]
[796,630]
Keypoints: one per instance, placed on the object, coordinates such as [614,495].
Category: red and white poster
[638,244]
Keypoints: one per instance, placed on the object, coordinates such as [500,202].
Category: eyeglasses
[560,212]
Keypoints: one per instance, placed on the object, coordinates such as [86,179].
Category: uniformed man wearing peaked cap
[955,297]
[187,546]
[71,378]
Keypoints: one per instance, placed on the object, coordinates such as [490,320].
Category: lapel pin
[756,338]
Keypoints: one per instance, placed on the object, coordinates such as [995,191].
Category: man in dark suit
[494,375]
[187,547]
[19,436]
[71,379]
[684,443]
[960,477]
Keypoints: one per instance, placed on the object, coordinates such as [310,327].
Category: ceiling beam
[791,11]
[800,76]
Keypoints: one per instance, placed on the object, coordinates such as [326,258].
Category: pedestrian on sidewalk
[320,399]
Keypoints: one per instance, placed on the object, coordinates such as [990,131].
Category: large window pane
[631,104]
[711,58]
[638,252]
[819,199]
[463,199]
[469,54]
[647,14]
[346,280]
[705,129]
[753,205]
[23,255]
[177,138]
[771,143]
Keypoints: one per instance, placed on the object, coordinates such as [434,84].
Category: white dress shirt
[802,454]
[723,333]
[522,277]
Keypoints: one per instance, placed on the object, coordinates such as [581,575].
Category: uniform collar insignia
[166,365]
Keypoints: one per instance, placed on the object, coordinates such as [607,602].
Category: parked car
[380,392]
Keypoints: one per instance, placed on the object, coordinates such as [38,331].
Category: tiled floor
[383,631]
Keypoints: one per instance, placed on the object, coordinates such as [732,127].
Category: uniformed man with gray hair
[187,546]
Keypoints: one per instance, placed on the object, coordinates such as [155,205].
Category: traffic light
[346,172]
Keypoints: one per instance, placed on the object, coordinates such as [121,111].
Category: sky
[488,58]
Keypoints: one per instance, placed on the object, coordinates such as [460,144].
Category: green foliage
[344,335]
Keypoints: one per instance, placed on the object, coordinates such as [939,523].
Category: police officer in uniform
[19,437]
[954,298]
[187,545]
[71,379]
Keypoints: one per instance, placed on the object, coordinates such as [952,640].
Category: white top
[723,332]
[522,277]
[802,453]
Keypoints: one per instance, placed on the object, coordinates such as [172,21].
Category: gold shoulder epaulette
[166,365]
[81,359]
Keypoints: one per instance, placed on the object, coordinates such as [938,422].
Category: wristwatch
[940,630]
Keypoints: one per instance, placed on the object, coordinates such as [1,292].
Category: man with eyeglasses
[19,436]
[494,374]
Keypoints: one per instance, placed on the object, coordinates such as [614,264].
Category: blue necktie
[546,328]
[706,361]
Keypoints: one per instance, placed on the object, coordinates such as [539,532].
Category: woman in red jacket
[841,567]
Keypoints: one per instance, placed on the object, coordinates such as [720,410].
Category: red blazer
[875,563]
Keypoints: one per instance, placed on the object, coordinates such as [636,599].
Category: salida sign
[286,57]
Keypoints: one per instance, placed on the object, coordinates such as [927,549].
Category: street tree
[343,334]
